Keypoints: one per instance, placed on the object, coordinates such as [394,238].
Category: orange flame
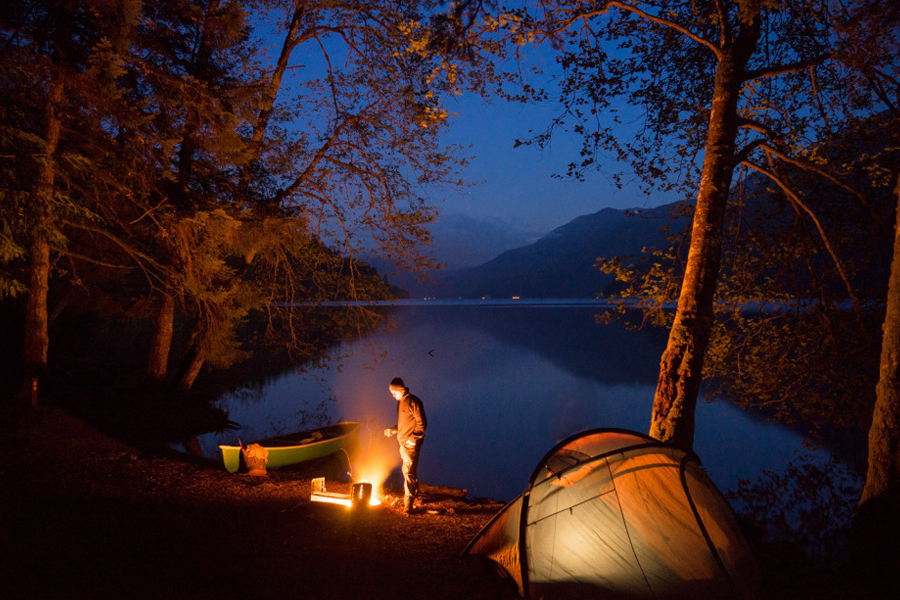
[375,464]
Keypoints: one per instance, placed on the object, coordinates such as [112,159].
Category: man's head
[397,388]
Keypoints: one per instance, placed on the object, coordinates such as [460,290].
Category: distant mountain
[561,264]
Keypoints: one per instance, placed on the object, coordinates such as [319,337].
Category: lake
[502,383]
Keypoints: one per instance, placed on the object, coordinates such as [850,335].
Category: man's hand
[389,432]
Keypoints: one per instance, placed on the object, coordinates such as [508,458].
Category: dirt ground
[85,516]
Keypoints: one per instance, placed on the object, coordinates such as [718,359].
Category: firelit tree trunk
[883,474]
[37,337]
[158,362]
[682,362]
[193,362]
[195,357]
[874,552]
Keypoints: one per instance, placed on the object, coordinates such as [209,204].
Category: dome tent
[611,513]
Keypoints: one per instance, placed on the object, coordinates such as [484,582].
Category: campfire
[360,495]
[369,470]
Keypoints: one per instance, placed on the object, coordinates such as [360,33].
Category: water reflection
[501,385]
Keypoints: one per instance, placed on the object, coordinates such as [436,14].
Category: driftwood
[440,490]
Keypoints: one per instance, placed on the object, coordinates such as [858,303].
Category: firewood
[441,490]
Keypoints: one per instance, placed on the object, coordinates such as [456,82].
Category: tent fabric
[615,514]
[497,541]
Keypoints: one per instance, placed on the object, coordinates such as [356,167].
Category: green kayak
[297,447]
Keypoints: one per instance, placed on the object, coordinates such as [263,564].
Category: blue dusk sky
[514,197]
[516,186]
[520,188]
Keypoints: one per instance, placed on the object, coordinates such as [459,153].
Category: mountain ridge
[561,264]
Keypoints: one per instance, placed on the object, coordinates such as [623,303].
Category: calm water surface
[502,383]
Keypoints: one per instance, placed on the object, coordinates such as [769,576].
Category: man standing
[410,432]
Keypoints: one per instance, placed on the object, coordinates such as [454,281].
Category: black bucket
[361,495]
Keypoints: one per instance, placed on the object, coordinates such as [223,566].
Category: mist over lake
[503,382]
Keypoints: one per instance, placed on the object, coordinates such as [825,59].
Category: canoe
[297,447]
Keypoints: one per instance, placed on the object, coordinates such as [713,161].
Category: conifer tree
[193,57]
[55,57]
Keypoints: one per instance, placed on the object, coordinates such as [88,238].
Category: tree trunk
[193,362]
[681,365]
[196,355]
[884,434]
[270,94]
[875,554]
[160,345]
[37,338]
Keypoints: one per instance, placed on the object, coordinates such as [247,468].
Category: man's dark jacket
[411,420]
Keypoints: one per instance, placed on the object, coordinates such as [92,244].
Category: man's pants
[410,468]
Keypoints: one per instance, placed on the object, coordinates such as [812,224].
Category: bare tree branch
[798,203]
